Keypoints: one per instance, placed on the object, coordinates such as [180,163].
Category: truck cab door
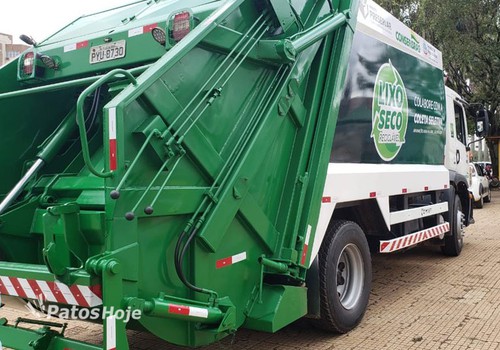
[456,155]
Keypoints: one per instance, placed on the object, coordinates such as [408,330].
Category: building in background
[8,50]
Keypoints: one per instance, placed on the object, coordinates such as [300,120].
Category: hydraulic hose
[179,258]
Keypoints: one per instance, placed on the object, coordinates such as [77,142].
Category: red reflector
[150,27]
[304,254]
[223,262]
[28,62]
[405,190]
[326,200]
[112,155]
[181,26]
[373,194]
[426,188]
[82,44]
[178,309]
[445,186]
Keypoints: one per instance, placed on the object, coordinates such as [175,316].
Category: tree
[405,10]
[468,34]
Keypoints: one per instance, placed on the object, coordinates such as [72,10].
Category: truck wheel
[345,274]
[453,243]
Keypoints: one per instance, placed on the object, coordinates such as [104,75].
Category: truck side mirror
[482,123]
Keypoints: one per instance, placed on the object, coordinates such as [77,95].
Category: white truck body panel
[350,182]
[354,182]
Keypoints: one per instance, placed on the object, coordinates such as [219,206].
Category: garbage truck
[193,167]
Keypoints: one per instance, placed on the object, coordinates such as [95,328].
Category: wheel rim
[350,276]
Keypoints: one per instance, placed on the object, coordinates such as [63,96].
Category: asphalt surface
[420,300]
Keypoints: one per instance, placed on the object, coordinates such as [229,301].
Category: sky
[40,19]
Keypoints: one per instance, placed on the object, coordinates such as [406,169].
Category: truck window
[459,124]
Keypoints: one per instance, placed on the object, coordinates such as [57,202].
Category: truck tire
[345,274]
[453,243]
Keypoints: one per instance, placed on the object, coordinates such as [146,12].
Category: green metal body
[211,152]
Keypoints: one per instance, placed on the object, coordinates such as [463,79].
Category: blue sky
[40,19]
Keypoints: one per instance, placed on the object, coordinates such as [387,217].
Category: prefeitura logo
[389,112]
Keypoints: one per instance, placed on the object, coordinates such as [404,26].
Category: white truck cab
[456,155]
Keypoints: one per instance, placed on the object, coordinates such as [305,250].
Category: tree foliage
[468,34]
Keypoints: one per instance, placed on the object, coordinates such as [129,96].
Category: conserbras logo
[370,11]
[40,309]
[389,112]
[412,42]
[363,7]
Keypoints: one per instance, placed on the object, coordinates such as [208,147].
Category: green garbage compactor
[163,165]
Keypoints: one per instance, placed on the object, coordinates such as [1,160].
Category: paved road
[420,300]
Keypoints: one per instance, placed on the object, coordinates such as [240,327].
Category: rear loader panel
[180,177]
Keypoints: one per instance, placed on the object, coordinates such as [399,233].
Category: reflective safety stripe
[141,30]
[76,46]
[305,249]
[188,310]
[230,260]
[111,333]
[112,139]
[55,292]
[406,241]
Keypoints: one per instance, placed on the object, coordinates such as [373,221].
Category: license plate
[107,52]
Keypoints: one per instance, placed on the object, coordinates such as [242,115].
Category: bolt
[114,267]
[115,194]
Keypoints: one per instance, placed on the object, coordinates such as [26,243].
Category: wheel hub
[350,276]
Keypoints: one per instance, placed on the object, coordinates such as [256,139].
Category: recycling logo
[389,112]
